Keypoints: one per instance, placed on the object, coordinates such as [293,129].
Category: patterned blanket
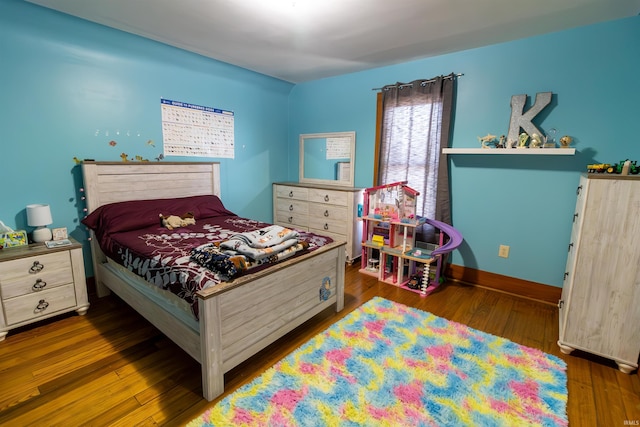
[229,263]
[262,243]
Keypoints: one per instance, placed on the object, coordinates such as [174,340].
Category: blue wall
[526,202]
[70,86]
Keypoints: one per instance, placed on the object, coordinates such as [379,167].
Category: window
[413,127]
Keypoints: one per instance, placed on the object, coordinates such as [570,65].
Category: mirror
[328,158]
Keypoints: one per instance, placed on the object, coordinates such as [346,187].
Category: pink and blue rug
[386,364]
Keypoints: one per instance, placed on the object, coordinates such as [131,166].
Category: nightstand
[37,283]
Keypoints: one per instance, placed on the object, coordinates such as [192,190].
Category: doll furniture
[390,249]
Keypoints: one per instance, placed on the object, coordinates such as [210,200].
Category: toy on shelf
[623,167]
[390,250]
[377,240]
[598,167]
[565,141]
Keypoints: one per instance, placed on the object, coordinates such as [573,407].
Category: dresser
[324,210]
[37,283]
[601,291]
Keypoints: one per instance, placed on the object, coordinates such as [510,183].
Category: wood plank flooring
[112,368]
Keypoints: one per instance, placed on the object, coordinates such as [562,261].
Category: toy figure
[486,140]
[565,141]
[174,221]
[536,141]
[523,140]
[325,291]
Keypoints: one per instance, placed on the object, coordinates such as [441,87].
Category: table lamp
[39,216]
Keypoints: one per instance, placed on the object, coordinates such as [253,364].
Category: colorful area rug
[391,365]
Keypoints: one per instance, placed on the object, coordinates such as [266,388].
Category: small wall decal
[325,289]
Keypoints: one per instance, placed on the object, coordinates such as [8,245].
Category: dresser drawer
[28,275]
[327,212]
[291,192]
[292,206]
[39,304]
[318,195]
[321,225]
[287,219]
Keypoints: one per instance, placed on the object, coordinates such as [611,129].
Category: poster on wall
[194,130]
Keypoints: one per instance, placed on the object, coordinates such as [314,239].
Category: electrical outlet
[503,251]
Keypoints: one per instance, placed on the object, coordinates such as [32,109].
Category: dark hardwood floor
[111,367]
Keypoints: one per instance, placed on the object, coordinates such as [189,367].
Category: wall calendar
[194,130]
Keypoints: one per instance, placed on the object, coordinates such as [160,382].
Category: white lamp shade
[38,215]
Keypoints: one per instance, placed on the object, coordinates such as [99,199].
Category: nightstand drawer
[35,274]
[39,304]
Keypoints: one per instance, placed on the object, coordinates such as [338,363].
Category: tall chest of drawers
[37,283]
[323,210]
[601,291]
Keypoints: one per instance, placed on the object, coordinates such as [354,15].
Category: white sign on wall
[338,148]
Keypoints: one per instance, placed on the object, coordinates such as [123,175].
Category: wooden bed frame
[238,318]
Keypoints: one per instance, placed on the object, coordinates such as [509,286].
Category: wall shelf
[517,151]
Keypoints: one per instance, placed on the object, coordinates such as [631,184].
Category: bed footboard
[237,322]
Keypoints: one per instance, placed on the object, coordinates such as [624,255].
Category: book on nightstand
[57,243]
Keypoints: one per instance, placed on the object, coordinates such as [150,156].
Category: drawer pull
[570,246]
[290,207]
[326,198]
[42,305]
[39,285]
[290,219]
[578,190]
[575,216]
[326,226]
[291,193]
[326,213]
[37,267]
[560,304]
[566,274]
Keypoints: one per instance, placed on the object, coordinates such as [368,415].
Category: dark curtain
[416,123]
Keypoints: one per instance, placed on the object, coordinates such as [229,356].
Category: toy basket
[10,238]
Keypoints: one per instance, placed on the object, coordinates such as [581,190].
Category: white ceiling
[302,40]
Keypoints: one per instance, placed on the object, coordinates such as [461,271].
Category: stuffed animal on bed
[175,221]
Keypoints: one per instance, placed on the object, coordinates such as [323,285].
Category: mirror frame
[352,151]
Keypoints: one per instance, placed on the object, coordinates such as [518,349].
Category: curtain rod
[450,76]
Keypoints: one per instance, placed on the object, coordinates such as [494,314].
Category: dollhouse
[390,249]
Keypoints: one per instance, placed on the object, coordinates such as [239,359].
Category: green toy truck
[617,168]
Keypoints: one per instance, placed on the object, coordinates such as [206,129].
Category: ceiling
[303,40]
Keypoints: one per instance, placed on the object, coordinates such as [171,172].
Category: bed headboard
[109,182]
